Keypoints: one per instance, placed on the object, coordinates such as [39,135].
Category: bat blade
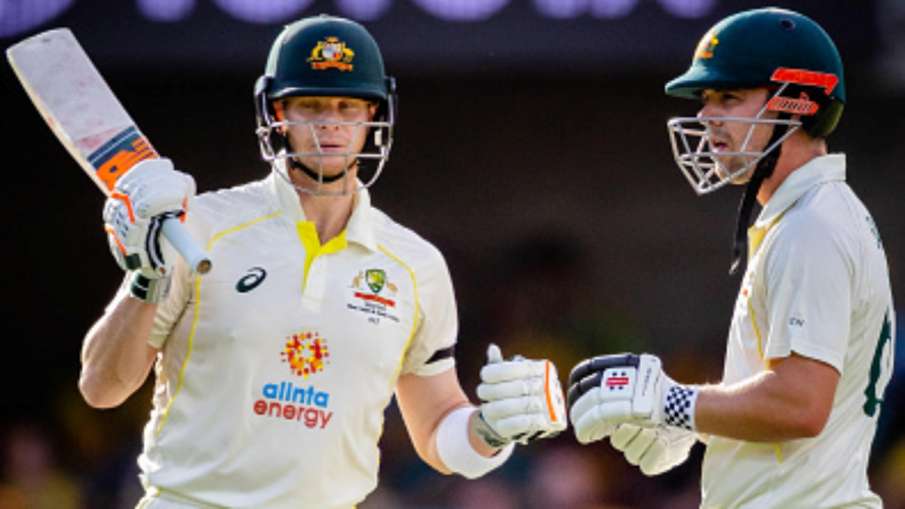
[85,115]
[78,105]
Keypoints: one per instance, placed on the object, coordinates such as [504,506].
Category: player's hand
[653,450]
[609,390]
[142,198]
[522,400]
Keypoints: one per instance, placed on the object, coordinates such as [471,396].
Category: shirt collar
[817,171]
[359,229]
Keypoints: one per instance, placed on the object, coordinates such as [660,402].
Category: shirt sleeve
[431,350]
[808,293]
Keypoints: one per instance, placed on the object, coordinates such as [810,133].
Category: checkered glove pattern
[610,390]
[677,407]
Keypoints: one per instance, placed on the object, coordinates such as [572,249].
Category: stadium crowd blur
[567,228]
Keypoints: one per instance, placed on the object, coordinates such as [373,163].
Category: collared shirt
[277,365]
[817,285]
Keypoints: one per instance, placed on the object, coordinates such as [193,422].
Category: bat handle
[179,237]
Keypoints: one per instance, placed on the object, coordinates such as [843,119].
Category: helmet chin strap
[318,177]
[762,171]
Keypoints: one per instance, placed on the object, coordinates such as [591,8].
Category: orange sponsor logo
[123,160]
[824,80]
[800,106]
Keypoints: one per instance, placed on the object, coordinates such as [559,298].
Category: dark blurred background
[530,148]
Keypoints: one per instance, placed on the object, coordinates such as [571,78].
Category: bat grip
[179,237]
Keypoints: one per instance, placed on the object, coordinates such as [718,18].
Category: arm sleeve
[809,292]
[431,350]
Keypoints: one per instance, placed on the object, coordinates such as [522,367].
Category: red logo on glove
[616,381]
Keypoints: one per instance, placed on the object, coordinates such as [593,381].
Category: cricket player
[274,369]
[810,344]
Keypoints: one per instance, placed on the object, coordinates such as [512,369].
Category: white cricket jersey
[277,365]
[818,285]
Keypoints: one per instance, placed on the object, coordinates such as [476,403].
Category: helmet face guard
[370,161]
[694,154]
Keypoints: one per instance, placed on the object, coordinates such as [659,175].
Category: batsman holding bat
[274,369]
[810,345]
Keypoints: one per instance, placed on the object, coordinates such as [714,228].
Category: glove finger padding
[589,427]
[142,199]
[523,399]
[513,389]
[623,436]
[592,421]
[653,450]
[159,194]
[521,426]
[607,403]
[506,371]
[499,409]
[633,441]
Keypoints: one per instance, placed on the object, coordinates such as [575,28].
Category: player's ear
[279,113]
[372,110]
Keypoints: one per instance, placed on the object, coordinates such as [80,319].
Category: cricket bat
[81,110]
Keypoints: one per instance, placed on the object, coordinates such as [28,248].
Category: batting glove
[653,450]
[522,400]
[609,390]
[133,215]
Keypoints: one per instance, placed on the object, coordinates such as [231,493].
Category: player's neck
[330,214]
[797,151]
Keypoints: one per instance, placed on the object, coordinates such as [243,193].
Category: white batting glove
[522,400]
[609,390]
[653,450]
[133,215]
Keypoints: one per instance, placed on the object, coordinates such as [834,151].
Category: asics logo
[251,280]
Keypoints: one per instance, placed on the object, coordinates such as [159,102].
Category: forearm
[116,357]
[441,423]
[759,409]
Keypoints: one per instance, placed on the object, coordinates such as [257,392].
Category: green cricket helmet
[782,50]
[325,56]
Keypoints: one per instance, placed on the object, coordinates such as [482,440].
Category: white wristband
[455,449]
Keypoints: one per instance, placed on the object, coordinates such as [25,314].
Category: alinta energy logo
[306,353]
[303,404]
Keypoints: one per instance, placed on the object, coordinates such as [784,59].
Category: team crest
[375,278]
[706,46]
[306,353]
[331,53]
[366,297]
